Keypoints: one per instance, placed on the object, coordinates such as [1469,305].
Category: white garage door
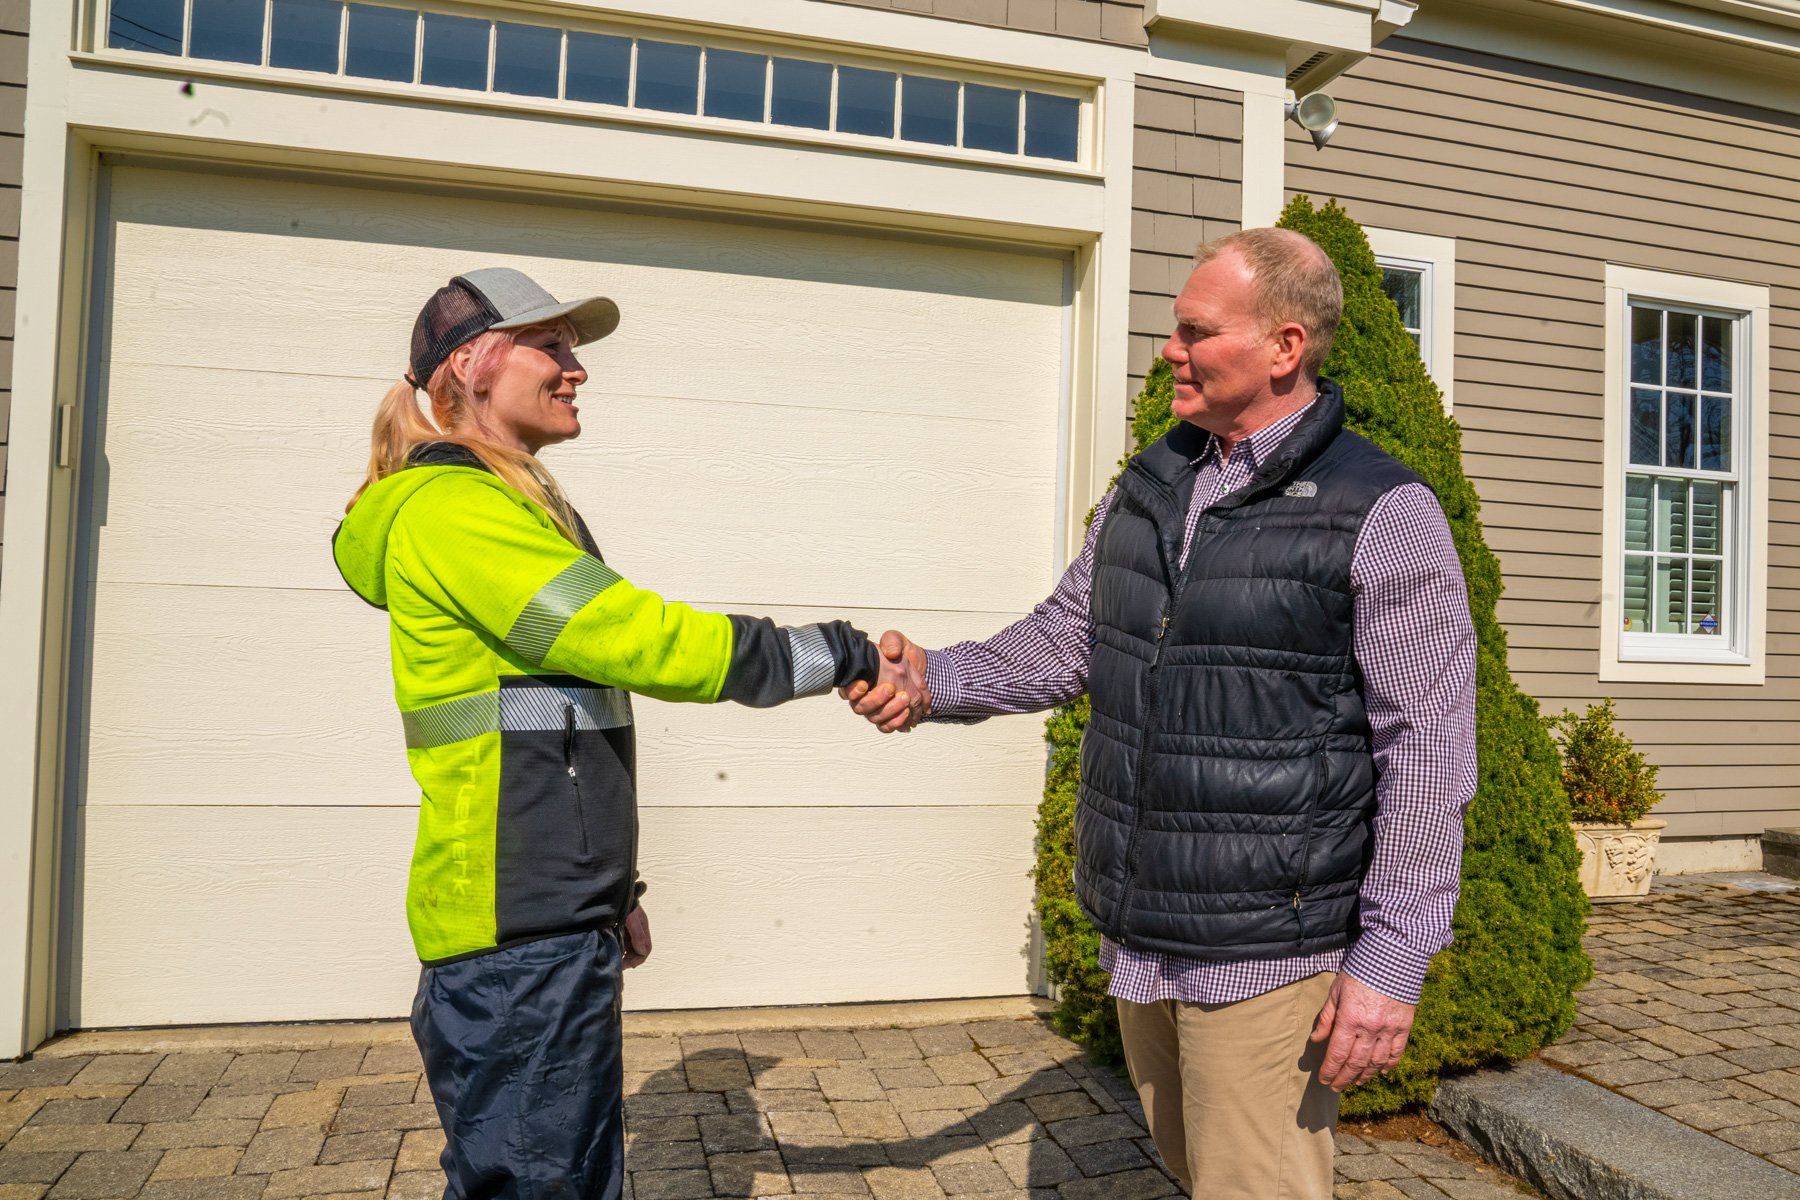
[792,421]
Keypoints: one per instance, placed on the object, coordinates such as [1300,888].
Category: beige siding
[12,140]
[1187,173]
[1543,176]
[1119,21]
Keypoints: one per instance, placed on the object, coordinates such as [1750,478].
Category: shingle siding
[1186,188]
[1120,21]
[1544,176]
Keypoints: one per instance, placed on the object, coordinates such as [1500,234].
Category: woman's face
[530,401]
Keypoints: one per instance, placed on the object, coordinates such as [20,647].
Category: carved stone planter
[1618,860]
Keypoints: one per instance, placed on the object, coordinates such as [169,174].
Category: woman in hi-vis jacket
[515,648]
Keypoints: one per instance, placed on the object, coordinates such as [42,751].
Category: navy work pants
[521,1050]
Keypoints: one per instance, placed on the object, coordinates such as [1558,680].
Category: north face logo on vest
[1302,488]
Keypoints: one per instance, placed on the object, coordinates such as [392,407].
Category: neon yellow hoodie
[514,651]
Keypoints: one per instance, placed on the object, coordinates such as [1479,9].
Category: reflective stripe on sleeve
[547,613]
[814,664]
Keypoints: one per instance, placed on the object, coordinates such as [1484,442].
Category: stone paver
[978,1111]
[1694,1008]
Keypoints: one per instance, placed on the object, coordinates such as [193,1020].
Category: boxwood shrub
[1507,985]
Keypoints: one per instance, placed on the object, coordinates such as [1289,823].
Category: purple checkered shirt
[1415,647]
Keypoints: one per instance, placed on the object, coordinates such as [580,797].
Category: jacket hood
[360,545]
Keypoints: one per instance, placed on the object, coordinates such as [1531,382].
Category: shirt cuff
[943,679]
[1388,965]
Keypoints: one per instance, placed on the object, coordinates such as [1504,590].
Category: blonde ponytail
[401,425]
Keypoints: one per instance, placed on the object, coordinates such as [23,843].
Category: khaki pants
[1232,1092]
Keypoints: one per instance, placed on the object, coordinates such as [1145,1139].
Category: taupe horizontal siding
[12,148]
[1187,187]
[1120,21]
[1544,176]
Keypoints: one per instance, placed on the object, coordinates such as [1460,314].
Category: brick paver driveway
[1694,1009]
[978,1108]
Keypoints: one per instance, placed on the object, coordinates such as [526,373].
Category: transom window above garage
[623,69]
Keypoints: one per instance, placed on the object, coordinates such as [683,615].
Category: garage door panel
[298,711]
[223,914]
[858,509]
[269,914]
[880,324]
[816,906]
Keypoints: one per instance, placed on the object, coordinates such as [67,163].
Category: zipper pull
[569,739]
[1296,901]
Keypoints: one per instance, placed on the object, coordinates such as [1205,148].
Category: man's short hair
[1294,281]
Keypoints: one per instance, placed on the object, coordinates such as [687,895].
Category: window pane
[304,35]
[456,51]
[802,94]
[1672,515]
[1646,344]
[599,69]
[734,84]
[1678,428]
[1404,287]
[1638,490]
[525,59]
[1646,427]
[1715,433]
[865,101]
[227,30]
[1671,595]
[1681,349]
[668,77]
[380,43]
[1707,607]
[991,118]
[1637,593]
[153,25]
[1715,365]
[1052,126]
[1708,517]
[928,110]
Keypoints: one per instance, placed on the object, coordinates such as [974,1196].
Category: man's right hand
[899,699]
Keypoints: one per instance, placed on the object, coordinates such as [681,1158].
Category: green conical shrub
[1507,986]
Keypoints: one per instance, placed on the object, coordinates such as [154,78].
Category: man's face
[1220,352]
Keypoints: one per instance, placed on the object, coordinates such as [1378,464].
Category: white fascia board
[1337,25]
[244,120]
[908,33]
[1682,48]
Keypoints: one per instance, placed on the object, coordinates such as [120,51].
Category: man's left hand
[1367,1032]
[635,940]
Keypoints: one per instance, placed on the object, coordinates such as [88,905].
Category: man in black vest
[1271,623]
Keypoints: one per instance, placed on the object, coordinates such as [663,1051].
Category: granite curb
[1576,1140]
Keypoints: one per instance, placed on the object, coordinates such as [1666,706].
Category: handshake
[899,698]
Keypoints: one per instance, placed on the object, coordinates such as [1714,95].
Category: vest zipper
[1135,851]
[574,777]
[1306,849]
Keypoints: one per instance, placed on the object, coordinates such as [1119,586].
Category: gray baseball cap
[496,298]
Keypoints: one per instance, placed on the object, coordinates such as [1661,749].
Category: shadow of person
[999,1106]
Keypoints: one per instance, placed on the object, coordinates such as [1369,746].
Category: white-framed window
[587,65]
[1684,572]
[1418,273]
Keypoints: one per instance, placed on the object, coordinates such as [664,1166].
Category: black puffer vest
[1227,787]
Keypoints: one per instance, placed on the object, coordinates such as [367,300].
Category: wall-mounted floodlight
[1317,114]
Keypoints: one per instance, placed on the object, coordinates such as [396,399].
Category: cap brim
[592,318]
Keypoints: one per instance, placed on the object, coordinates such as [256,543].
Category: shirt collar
[1256,446]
